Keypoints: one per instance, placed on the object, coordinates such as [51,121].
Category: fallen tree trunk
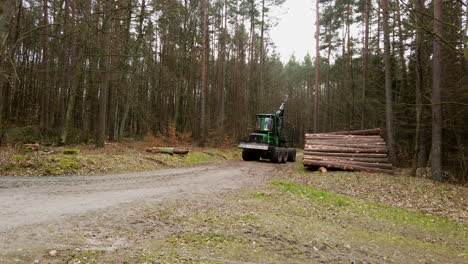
[346,166]
[353,163]
[316,148]
[376,155]
[344,144]
[336,141]
[373,131]
[168,150]
[345,138]
[337,158]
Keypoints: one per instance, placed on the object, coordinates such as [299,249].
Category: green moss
[22,157]
[71,152]
[61,165]
[10,166]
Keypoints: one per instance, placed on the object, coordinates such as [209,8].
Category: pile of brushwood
[362,150]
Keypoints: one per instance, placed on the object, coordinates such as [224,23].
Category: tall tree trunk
[419,150]
[262,54]
[401,49]
[465,38]
[252,89]
[317,67]
[388,84]
[204,77]
[365,62]
[6,13]
[379,25]
[45,60]
[77,66]
[329,127]
[222,86]
[436,149]
[104,87]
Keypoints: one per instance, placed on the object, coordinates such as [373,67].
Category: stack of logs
[362,150]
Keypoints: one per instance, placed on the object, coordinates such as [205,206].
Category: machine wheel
[276,156]
[284,155]
[254,155]
[249,155]
[291,154]
[246,155]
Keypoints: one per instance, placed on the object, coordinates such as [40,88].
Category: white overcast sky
[294,33]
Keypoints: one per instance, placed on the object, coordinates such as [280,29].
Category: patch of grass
[418,195]
[173,258]
[85,256]
[22,157]
[71,152]
[261,195]
[197,158]
[393,240]
[384,212]
[311,193]
[114,158]
[197,239]
[405,217]
[250,217]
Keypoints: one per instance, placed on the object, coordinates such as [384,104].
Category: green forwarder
[269,141]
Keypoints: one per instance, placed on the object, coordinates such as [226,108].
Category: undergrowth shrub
[26,134]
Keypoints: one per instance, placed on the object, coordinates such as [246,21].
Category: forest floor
[119,157]
[233,212]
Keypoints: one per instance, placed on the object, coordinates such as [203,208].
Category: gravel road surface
[32,200]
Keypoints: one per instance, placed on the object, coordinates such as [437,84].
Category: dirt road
[215,213]
[30,200]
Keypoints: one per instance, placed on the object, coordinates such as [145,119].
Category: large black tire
[255,155]
[246,155]
[284,156]
[250,155]
[276,156]
[291,154]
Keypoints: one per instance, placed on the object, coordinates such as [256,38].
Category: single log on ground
[370,155]
[340,157]
[316,148]
[168,150]
[345,166]
[171,150]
